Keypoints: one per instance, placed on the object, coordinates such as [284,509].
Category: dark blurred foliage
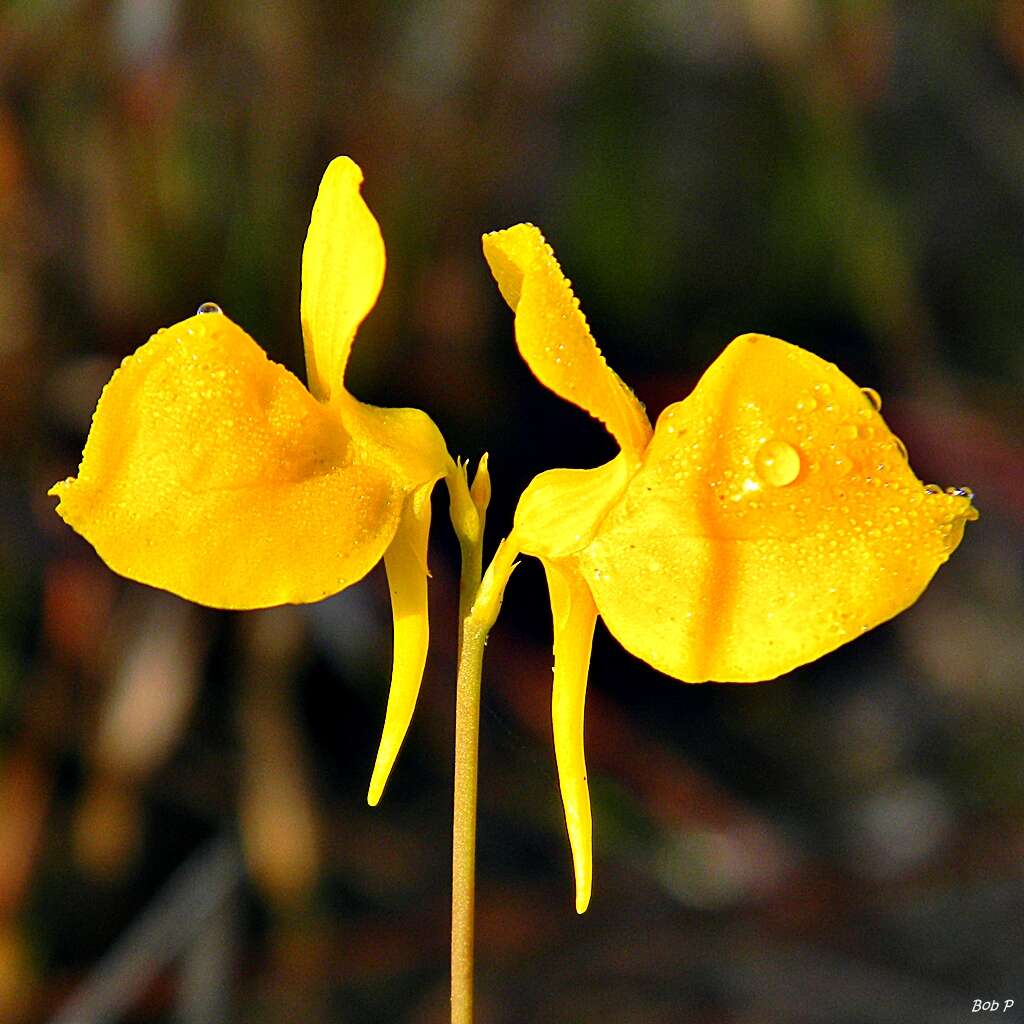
[843,845]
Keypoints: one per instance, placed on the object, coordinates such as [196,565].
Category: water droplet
[777,463]
[873,397]
[932,489]
[961,492]
[901,448]
[209,307]
[806,404]
[823,388]
[848,432]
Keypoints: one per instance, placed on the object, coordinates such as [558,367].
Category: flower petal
[342,273]
[404,442]
[553,336]
[774,519]
[574,617]
[213,473]
[561,509]
[406,563]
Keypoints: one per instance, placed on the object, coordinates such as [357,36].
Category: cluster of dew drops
[930,489]
[778,463]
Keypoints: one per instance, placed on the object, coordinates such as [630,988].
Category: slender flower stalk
[479,603]
[468,519]
[467,739]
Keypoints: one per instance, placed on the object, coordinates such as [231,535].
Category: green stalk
[479,603]
[467,736]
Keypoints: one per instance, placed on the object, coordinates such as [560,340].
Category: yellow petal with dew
[212,472]
[342,273]
[406,564]
[553,336]
[775,518]
[574,617]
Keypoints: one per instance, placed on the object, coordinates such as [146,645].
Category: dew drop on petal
[902,449]
[873,397]
[932,489]
[961,492]
[777,463]
[208,307]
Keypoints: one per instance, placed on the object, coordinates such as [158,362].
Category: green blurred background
[844,845]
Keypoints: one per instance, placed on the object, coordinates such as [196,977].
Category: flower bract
[768,518]
[212,472]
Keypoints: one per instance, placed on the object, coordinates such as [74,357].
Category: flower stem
[467,736]
[479,603]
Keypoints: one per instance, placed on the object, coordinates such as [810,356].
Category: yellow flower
[212,472]
[766,520]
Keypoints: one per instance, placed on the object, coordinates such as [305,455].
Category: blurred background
[183,828]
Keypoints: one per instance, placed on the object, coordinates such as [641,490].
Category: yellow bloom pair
[767,519]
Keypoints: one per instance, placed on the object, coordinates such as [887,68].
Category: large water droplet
[932,489]
[961,492]
[209,307]
[873,397]
[777,463]
[901,448]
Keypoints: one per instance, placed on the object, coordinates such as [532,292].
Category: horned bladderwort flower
[767,519]
[211,472]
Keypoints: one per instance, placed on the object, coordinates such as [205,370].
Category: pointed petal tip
[386,755]
[584,886]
